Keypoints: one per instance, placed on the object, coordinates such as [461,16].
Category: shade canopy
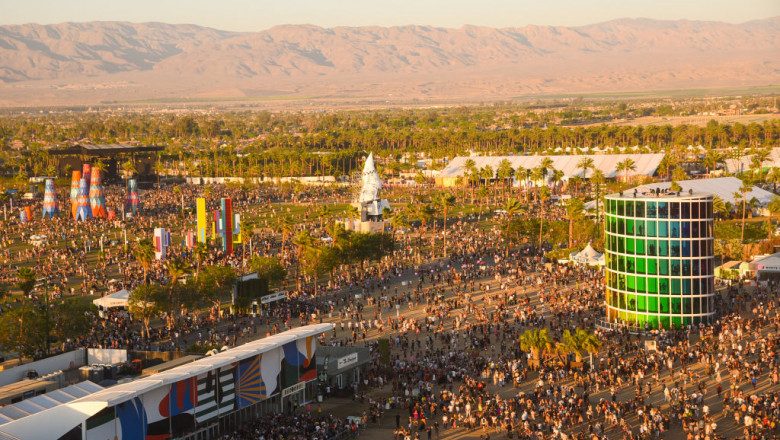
[116,299]
[588,256]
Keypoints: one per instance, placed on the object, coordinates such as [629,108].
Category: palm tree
[579,341]
[712,159]
[719,206]
[323,212]
[505,172]
[773,177]
[667,162]
[445,202]
[144,254]
[511,206]
[158,169]
[472,175]
[546,164]
[352,212]
[522,173]
[536,341]
[744,189]
[544,194]
[424,213]
[337,232]
[487,173]
[286,226]
[141,304]
[574,210]
[100,166]
[760,156]
[26,279]
[129,169]
[302,242]
[598,179]
[200,253]
[626,165]
[774,209]
[177,269]
[585,164]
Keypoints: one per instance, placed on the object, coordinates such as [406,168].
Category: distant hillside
[111,61]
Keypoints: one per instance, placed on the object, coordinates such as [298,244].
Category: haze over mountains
[90,63]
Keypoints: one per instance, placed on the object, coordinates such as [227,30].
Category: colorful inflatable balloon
[84,212]
[50,205]
[74,192]
[97,200]
[85,172]
[133,203]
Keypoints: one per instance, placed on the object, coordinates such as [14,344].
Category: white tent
[646,164]
[588,256]
[116,299]
[723,187]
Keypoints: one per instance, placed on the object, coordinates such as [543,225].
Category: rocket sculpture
[133,203]
[50,205]
[83,210]
[97,200]
[74,193]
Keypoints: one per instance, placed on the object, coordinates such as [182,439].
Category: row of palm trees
[393,129]
[538,342]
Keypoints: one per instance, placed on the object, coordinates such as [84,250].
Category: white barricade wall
[65,361]
[106,356]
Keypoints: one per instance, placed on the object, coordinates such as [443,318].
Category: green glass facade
[659,260]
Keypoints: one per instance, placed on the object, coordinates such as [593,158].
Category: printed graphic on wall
[158,425]
[174,413]
[299,363]
[216,395]
[102,425]
[270,369]
[250,388]
[132,419]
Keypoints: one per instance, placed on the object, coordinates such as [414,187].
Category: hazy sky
[255,15]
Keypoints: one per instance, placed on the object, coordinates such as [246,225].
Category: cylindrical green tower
[659,259]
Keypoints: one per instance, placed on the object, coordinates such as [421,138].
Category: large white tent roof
[723,187]
[646,164]
[734,165]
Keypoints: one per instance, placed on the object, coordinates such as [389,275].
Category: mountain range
[99,62]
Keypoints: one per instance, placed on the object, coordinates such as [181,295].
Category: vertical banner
[202,222]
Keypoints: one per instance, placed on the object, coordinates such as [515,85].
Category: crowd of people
[454,328]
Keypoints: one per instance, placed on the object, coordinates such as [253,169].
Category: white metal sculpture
[370,200]
[372,184]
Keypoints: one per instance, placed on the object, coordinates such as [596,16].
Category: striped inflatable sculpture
[50,205]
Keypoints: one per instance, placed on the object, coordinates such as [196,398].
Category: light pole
[45,282]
